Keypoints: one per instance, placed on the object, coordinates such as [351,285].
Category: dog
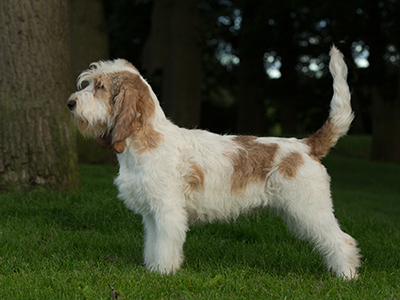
[174,176]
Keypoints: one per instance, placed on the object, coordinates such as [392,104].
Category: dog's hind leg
[309,214]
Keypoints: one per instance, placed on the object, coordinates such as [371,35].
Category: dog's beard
[89,130]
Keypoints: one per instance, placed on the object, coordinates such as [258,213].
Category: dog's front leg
[165,233]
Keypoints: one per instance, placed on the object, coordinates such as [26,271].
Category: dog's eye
[99,86]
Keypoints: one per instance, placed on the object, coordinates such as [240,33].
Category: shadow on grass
[245,243]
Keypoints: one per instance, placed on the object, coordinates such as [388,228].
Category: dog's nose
[71,104]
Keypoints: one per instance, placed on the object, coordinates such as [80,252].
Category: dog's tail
[340,116]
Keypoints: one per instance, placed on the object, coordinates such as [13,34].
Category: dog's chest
[145,184]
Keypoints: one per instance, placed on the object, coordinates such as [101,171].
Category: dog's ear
[125,115]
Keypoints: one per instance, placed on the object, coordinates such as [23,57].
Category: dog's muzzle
[71,104]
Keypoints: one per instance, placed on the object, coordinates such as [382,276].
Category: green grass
[73,245]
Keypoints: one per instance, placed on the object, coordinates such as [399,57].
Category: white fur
[340,112]
[153,183]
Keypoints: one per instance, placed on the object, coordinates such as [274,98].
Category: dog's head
[115,103]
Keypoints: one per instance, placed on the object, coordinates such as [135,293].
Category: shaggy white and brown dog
[173,176]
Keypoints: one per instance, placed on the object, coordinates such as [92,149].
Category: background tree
[248,67]
[384,77]
[265,63]
[251,108]
[174,50]
[88,30]
[37,141]
[285,44]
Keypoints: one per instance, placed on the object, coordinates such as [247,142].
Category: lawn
[73,245]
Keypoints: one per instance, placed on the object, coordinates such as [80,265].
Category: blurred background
[239,67]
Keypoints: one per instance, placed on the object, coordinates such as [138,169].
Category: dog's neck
[153,132]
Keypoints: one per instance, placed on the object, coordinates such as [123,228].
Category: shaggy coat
[173,176]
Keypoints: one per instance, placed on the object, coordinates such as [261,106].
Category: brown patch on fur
[133,110]
[252,162]
[119,146]
[195,178]
[315,159]
[321,141]
[104,89]
[290,164]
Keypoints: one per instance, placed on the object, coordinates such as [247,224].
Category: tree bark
[37,142]
[385,113]
[386,128]
[288,95]
[251,109]
[156,48]
[89,39]
[174,48]
[385,106]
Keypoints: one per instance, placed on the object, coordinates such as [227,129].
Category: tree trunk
[37,142]
[89,39]
[288,95]
[251,109]
[385,106]
[156,48]
[174,47]
[288,88]
[385,111]
[386,128]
